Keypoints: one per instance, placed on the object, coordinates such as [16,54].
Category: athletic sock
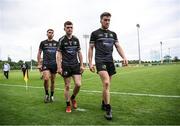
[103,102]
[47,93]
[108,107]
[52,93]
[73,97]
[68,103]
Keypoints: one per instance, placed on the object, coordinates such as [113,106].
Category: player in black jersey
[24,68]
[69,52]
[48,66]
[103,41]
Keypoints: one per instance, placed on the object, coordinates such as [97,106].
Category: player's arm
[39,59]
[90,56]
[121,53]
[59,61]
[81,61]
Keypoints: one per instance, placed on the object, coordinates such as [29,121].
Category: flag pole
[26,86]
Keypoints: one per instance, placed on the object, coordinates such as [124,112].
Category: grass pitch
[139,95]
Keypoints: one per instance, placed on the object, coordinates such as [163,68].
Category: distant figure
[24,67]
[6,69]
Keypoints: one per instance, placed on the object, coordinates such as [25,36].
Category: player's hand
[91,67]
[59,70]
[81,69]
[125,62]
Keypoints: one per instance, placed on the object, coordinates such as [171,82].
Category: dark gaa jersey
[49,49]
[69,49]
[103,41]
[24,66]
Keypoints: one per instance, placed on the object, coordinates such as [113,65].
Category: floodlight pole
[85,36]
[31,56]
[161,53]
[139,50]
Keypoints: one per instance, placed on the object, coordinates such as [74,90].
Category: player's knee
[67,87]
[46,78]
[78,85]
[106,85]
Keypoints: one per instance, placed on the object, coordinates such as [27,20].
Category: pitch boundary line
[88,91]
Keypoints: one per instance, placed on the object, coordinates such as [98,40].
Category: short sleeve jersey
[49,49]
[6,67]
[103,41]
[69,49]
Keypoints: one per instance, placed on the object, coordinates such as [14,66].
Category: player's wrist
[59,68]
[90,64]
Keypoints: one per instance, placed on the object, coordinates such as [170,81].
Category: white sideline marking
[80,109]
[88,91]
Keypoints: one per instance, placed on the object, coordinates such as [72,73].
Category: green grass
[18,106]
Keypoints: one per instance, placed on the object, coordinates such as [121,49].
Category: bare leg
[105,78]
[67,81]
[77,82]
[106,86]
[53,76]
[46,75]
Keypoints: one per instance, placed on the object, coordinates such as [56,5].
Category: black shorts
[51,68]
[106,66]
[68,71]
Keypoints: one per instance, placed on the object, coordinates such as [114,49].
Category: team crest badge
[111,35]
[75,43]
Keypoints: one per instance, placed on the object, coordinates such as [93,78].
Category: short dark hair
[50,30]
[105,14]
[68,23]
